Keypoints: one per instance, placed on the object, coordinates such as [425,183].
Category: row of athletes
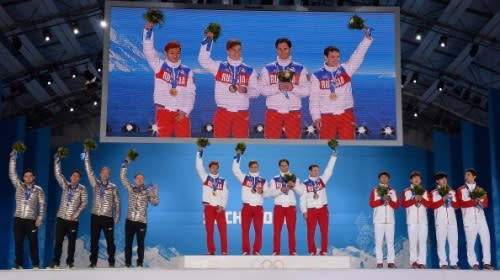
[329,90]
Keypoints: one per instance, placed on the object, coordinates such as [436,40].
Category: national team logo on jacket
[339,78]
[226,73]
[211,182]
[314,186]
[254,182]
[166,74]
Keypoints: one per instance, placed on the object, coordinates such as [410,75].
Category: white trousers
[417,237]
[471,232]
[447,232]
[381,231]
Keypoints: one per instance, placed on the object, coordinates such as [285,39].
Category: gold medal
[233,88]
[333,95]
[173,91]
[316,196]
[214,193]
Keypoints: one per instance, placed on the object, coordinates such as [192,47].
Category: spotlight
[49,80]
[130,127]
[74,73]
[473,50]
[362,130]
[98,66]
[443,41]
[208,128]
[47,35]
[310,130]
[71,109]
[414,78]
[103,23]
[387,131]
[74,27]
[95,102]
[418,35]
[259,128]
[415,115]
[440,86]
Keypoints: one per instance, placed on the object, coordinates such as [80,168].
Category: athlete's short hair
[231,43]
[330,49]
[172,45]
[283,40]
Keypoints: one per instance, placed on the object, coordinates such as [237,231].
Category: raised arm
[237,170]
[123,176]
[204,56]
[151,55]
[61,180]
[89,170]
[202,173]
[327,174]
[357,57]
[14,178]
[154,196]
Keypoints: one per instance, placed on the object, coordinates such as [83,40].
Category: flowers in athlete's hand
[418,190]
[241,147]
[382,191]
[289,177]
[285,76]
[62,152]
[444,191]
[19,147]
[202,142]
[356,22]
[132,154]
[89,144]
[215,28]
[156,17]
[478,193]
[333,144]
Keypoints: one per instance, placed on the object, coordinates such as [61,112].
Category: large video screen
[273,75]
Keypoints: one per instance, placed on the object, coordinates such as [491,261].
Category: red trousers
[275,122]
[211,215]
[343,125]
[281,213]
[317,216]
[251,214]
[230,124]
[168,125]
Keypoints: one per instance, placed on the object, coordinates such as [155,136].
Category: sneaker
[139,265]
[380,265]
[312,254]
[92,265]
[454,267]
[245,253]
[210,253]
[71,266]
[488,267]
[54,265]
[111,265]
[224,253]
[17,267]
[414,265]
[293,254]
[475,267]
[35,267]
[256,253]
[422,266]
[323,253]
[275,254]
[391,265]
[444,267]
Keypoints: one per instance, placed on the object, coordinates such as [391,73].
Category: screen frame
[398,138]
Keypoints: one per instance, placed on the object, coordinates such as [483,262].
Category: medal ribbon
[282,69]
[174,74]
[235,72]
[102,189]
[27,192]
[71,193]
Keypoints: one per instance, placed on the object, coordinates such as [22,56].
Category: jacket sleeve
[435,203]
[84,201]
[154,196]
[327,174]
[237,170]
[357,57]
[151,55]
[205,60]
[202,173]
[374,201]
[394,202]
[303,202]
[464,203]
[116,202]
[225,194]
[303,88]
[188,103]
[123,176]
[314,99]
[89,170]
[266,88]
[61,180]
[407,202]
[253,89]
[14,178]
[42,205]
[425,200]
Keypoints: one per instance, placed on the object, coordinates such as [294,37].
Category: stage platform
[250,274]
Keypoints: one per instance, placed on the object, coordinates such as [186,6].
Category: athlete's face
[383,179]
[469,178]
[139,180]
[284,167]
[416,180]
[332,59]
[283,50]
[254,168]
[75,178]
[214,169]
[314,172]
[234,53]
[173,55]
[105,173]
[442,182]
[28,178]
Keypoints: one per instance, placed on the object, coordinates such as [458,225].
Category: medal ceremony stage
[250,267]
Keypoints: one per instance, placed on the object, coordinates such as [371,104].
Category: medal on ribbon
[234,78]
[254,184]
[215,183]
[315,190]
[332,95]
[102,189]
[174,74]
[27,193]
[71,192]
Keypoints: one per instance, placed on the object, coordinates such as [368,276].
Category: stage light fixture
[47,35]
[414,78]
[443,41]
[440,86]
[74,27]
[95,102]
[74,73]
[98,66]
[362,130]
[259,128]
[49,80]
[208,128]
[71,109]
[387,131]
[415,114]
[418,35]
[103,23]
[130,127]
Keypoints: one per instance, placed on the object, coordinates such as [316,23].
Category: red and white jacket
[415,215]
[472,213]
[444,213]
[211,183]
[383,213]
[317,185]
[186,89]
[281,198]
[246,76]
[248,182]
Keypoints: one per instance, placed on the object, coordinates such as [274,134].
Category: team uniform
[383,223]
[283,108]
[214,194]
[336,114]
[314,202]
[416,220]
[174,91]
[139,197]
[74,199]
[284,210]
[445,221]
[231,116]
[30,206]
[252,211]
[105,213]
[475,224]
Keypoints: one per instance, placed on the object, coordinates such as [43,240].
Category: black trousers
[69,229]
[134,228]
[26,228]
[107,225]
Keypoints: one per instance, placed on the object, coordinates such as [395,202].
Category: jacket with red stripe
[472,212]
[383,213]
[414,214]
[444,214]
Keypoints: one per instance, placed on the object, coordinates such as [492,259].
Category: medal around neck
[173,92]
[233,88]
